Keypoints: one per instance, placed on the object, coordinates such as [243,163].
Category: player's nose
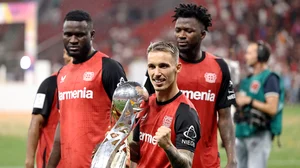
[157,71]
[73,39]
[181,35]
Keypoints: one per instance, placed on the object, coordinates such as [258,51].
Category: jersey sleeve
[45,96]
[148,85]
[136,133]
[112,73]
[187,128]
[271,86]
[226,95]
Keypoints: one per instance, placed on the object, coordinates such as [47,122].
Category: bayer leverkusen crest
[210,77]
[255,86]
[167,121]
[88,76]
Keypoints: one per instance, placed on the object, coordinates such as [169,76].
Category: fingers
[144,104]
[162,132]
[163,129]
[163,137]
[95,150]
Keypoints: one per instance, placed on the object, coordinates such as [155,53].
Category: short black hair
[79,15]
[193,11]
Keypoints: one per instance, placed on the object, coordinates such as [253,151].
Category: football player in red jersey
[44,119]
[168,133]
[205,80]
[85,88]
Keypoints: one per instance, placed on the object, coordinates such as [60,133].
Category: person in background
[85,89]
[205,80]
[43,123]
[260,103]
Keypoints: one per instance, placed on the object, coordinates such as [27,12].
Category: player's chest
[199,78]
[157,117]
[79,77]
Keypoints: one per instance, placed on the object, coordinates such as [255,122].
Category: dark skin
[189,33]
[37,123]
[35,129]
[77,39]
[55,153]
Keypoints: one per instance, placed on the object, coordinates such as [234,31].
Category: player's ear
[178,67]
[92,34]
[203,34]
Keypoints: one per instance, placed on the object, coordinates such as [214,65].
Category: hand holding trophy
[126,102]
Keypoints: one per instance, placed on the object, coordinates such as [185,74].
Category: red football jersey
[47,136]
[45,105]
[209,88]
[85,91]
[179,115]
[208,85]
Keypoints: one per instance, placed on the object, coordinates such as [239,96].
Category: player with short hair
[205,80]
[260,103]
[169,131]
[85,89]
[43,123]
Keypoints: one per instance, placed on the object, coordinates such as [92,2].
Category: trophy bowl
[127,99]
[125,91]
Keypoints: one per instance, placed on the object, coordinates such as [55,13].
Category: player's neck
[87,57]
[165,95]
[259,67]
[192,55]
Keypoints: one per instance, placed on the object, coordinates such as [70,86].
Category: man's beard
[82,54]
[187,49]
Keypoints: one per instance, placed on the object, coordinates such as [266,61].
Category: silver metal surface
[125,105]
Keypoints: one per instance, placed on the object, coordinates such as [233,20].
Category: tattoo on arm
[179,158]
[227,132]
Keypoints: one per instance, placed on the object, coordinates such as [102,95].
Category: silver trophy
[113,151]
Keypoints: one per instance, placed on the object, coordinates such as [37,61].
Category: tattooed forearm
[179,158]
[227,133]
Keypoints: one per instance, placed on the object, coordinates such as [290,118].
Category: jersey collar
[168,101]
[194,62]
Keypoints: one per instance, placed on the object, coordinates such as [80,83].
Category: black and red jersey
[85,91]
[208,85]
[180,116]
[45,105]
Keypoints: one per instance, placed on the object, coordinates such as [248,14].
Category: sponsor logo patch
[62,79]
[255,86]
[190,133]
[39,100]
[197,95]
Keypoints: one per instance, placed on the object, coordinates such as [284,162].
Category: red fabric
[193,83]
[47,136]
[151,155]
[84,109]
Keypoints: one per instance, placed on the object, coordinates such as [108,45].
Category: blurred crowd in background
[124,28]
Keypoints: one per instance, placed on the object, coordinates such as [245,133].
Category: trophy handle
[108,149]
